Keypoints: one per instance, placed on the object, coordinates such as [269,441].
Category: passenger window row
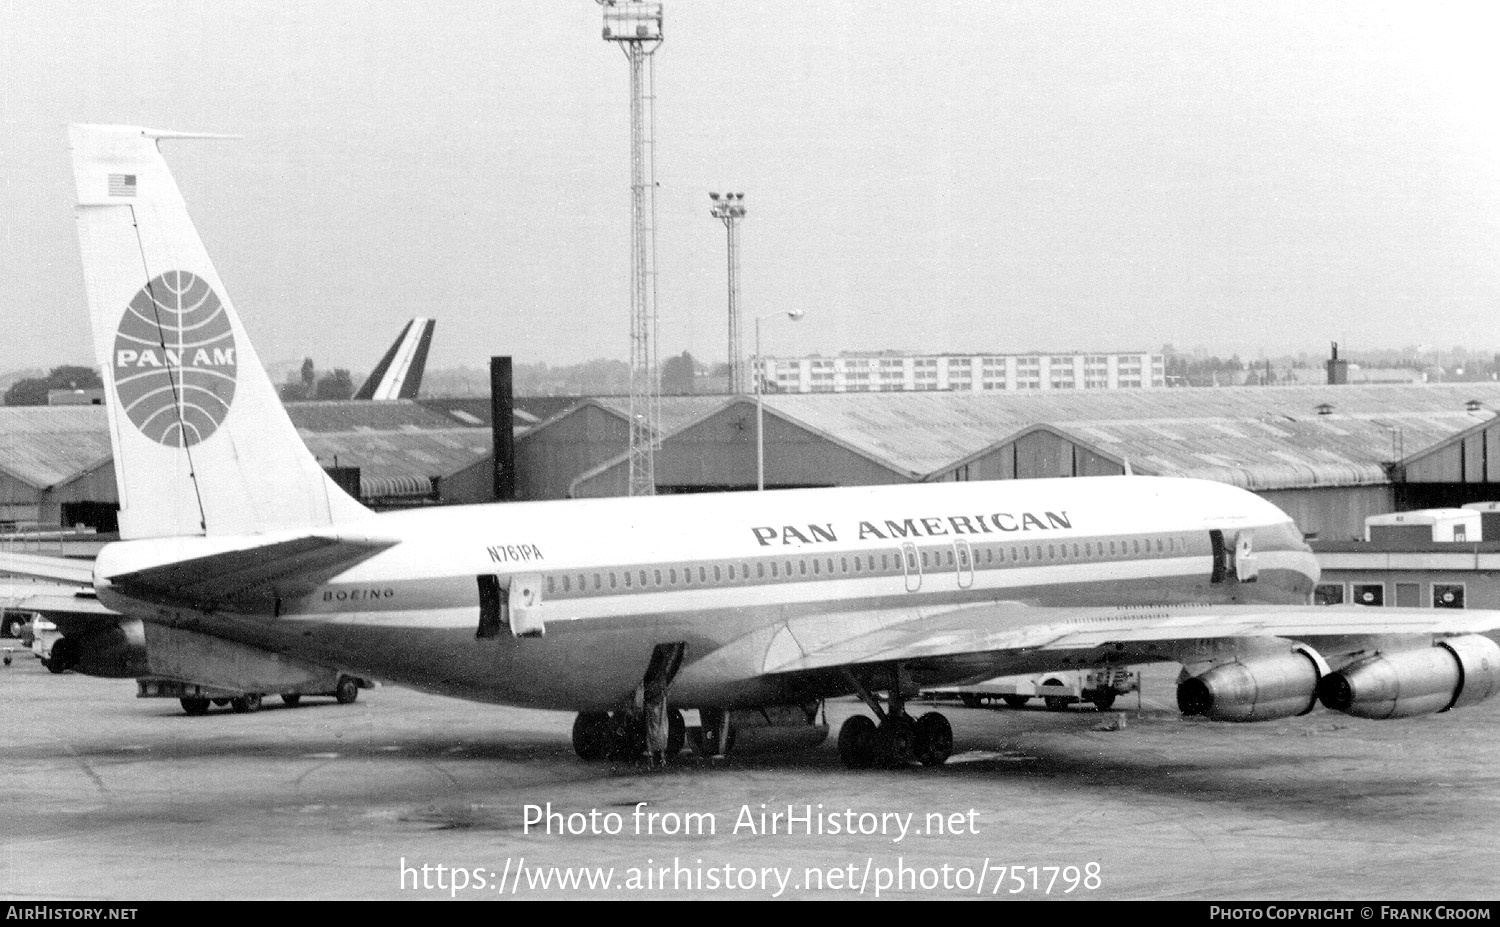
[889,563]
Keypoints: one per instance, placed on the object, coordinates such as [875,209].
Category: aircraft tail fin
[399,373]
[201,443]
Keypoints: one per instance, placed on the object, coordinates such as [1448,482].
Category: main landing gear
[897,739]
[622,735]
[652,728]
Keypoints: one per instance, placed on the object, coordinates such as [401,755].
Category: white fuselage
[608,580]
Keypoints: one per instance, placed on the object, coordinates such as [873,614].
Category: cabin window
[760,570]
[924,559]
[830,565]
[950,558]
[627,579]
[643,578]
[717,576]
[672,576]
[815,566]
[856,564]
[802,567]
[657,574]
[1111,548]
[730,568]
[703,574]
[612,579]
[550,588]
[774,572]
[885,563]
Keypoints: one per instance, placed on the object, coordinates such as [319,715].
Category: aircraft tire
[933,740]
[194,707]
[627,736]
[347,690]
[591,735]
[246,704]
[971,700]
[1104,699]
[857,742]
[894,740]
[291,701]
[1015,701]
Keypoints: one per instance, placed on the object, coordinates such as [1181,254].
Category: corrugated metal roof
[54,445]
[1258,437]
[350,414]
[1283,440]
[393,443]
[676,411]
[400,463]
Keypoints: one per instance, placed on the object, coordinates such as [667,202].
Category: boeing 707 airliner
[240,557]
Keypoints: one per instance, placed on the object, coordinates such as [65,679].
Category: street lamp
[730,209]
[758,368]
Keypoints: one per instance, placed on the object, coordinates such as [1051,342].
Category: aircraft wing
[62,569]
[966,635]
[73,614]
[251,576]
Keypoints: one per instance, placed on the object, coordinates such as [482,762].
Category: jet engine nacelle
[117,651]
[1263,688]
[1453,672]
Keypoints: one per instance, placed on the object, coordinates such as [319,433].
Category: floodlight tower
[636,26]
[730,209]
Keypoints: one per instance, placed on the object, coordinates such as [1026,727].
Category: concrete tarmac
[104,796]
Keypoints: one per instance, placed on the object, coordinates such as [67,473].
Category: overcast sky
[966,176]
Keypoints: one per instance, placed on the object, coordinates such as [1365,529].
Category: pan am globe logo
[174,360]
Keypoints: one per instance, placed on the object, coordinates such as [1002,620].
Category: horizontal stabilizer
[251,578]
